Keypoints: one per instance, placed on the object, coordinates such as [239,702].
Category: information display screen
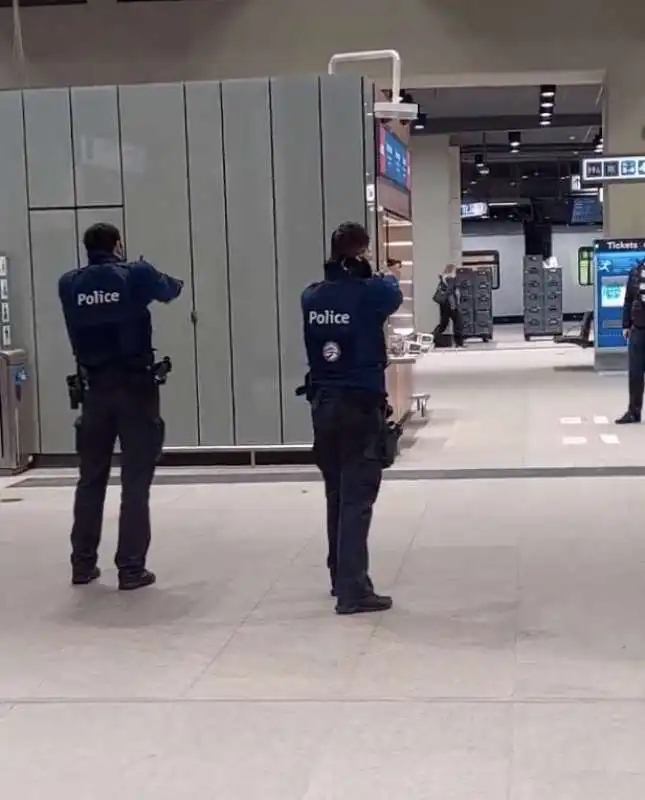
[613,261]
[394,159]
[612,291]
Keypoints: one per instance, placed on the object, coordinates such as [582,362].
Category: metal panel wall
[155,188]
[210,262]
[97,155]
[299,231]
[14,231]
[252,261]
[48,138]
[90,216]
[343,143]
[53,251]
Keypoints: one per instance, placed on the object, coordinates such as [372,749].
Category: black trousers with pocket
[345,429]
[636,369]
[123,407]
[446,315]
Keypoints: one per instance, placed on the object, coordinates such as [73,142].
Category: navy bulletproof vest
[344,336]
[108,324]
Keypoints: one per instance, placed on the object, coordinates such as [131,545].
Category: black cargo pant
[636,367]
[345,429]
[123,406]
[446,314]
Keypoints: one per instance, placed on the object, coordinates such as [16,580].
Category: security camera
[404,112]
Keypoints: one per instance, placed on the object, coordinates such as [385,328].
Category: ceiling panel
[504,101]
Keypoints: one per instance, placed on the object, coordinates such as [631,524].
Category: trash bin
[16,428]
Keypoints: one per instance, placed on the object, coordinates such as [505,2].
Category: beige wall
[106,42]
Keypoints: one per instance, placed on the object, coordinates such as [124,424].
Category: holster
[385,445]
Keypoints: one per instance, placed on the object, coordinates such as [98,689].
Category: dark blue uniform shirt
[106,310]
[343,324]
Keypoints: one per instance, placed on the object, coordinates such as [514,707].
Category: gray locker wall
[155,195]
[252,261]
[343,150]
[210,262]
[299,225]
[233,187]
[54,250]
[48,139]
[96,146]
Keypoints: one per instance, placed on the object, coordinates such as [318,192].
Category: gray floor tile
[416,751]
[568,748]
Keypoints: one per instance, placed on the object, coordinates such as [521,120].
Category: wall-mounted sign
[5,316]
[474,210]
[3,266]
[6,337]
[611,169]
[4,289]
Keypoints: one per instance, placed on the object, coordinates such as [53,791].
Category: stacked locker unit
[475,287]
[542,298]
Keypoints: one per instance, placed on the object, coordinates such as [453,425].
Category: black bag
[441,294]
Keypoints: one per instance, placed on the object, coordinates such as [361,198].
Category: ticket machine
[613,261]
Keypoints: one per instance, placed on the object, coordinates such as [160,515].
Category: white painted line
[574,440]
[571,420]
[601,420]
[609,438]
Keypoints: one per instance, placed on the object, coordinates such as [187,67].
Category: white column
[436,217]
[624,134]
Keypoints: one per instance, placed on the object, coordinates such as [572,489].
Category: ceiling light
[546,114]
[484,169]
[545,122]
[547,90]
[546,103]
[420,122]
[514,139]
[479,161]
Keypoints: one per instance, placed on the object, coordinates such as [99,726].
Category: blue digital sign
[613,261]
[394,159]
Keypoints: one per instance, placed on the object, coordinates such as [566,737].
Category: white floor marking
[571,420]
[574,440]
[601,420]
[609,438]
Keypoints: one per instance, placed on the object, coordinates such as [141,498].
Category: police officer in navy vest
[106,312]
[344,318]
[634,332]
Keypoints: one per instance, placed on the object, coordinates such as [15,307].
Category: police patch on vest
[331,351]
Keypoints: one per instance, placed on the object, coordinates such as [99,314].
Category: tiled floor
[537,406]
[512,667]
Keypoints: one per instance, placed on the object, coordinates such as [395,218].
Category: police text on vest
[328,317]
[97,298]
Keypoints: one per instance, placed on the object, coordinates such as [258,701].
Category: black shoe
[366,605]
[82,577]
[128,583]
[628,418]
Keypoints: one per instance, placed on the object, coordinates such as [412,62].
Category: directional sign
[611,169]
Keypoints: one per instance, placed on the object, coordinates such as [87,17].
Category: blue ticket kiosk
[613,261]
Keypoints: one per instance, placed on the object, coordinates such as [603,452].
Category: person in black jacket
[634,332]
[447,298]
[344,318]
[105,305]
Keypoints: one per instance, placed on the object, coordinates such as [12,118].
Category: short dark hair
[101,238]
[349,240]
[393,262]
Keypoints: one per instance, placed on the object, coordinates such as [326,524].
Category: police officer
[634,332]
[106,312]
[344,318]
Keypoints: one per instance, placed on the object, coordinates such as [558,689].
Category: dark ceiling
[479,121]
